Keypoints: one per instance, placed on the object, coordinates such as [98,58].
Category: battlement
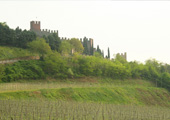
[64,38]
[49,31]
[35,22]
[122,55]
[35,26]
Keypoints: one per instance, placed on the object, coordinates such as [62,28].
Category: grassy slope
[136,92]
[13,52]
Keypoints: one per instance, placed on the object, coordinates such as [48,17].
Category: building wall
[35,26]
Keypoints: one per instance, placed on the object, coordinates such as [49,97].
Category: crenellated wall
[123,55]
[35,26]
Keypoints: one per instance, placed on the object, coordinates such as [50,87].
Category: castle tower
[35,26]
[91,46]
[125,56]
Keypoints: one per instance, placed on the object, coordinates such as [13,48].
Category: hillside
[72,82]
[85,98]
[128,92]
[13,52]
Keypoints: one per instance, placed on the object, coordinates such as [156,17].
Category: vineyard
[62,110]
[95,100]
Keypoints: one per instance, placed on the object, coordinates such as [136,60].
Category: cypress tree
[91,52]
[108,53]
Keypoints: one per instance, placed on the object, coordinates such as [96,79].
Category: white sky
[142,28]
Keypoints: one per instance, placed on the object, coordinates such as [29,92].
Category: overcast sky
[142,29]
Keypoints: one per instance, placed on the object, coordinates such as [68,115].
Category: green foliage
[77,46]
[54,41]
[120,59]
[97,66]
[86,50]
[99,50]
[23,70]
[128,95]
[108,56]
[7,35]
[55,65]
[70,73]
[13,52]
[40,46]
[165,80]
[65,48]
[16,38]
[97,54]
[23,37]
[88,47]
[2,73]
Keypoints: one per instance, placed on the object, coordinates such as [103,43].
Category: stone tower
[35,26]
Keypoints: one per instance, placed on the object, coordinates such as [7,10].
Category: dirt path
[19,59]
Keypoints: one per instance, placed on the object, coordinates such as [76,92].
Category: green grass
[85,98]
[127,92]
[13,52]
[86,82]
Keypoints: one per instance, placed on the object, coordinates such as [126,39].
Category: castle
[35,26]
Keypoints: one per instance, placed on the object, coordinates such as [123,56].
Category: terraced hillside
[137,92]
[85,98]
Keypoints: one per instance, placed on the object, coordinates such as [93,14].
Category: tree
[55,66]
[16,38]
[4,24]
[97,54]
[120,59]
[40,46]
[2,73]
[103,53]
[65,47]
[91,50]
[86,51]
[108,56]
[99,51]
[54,41]
[77,46]
[23,37]
[7,35]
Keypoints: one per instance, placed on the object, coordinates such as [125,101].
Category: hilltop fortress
[87,43]
[35,26]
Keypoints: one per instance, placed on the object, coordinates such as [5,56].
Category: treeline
[64,59]
[56,66]
[15,38]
